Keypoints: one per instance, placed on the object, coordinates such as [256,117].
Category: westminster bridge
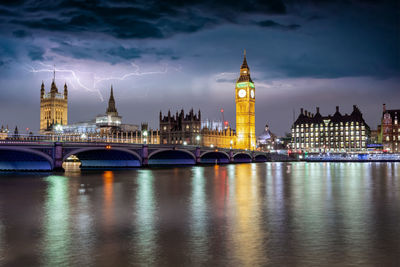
[50,155]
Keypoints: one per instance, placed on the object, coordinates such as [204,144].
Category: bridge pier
[197,154]
[253,156]
[231,157]
[58,157]
[145,156]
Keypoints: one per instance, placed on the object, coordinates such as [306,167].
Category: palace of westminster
[309,133]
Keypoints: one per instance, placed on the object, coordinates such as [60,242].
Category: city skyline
[301,56]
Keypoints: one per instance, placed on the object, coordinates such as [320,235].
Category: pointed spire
[111,103]
[244,64]
[54,73]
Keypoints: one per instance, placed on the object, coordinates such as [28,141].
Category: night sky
[161,55]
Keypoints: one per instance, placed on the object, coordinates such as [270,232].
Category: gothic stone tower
[53,106]
[245,109]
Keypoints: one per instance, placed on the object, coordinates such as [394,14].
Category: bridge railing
[73,138]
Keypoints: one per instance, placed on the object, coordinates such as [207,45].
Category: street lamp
[198,139]
[145,137]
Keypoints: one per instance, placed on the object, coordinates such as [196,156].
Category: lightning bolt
[97,79]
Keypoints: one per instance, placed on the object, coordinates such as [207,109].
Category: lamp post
[198,139]
[145,137]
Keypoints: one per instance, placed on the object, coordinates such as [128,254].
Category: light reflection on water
[277,214]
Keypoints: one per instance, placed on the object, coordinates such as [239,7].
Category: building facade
[53,106]
[189,129]
[106,127]
[180,128]
[4,132]
[389,130]
[245,109]
[333,133]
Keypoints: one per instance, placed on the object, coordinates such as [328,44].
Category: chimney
[354,107]
[384,107]
[337,108]
[317,110]
[301,111]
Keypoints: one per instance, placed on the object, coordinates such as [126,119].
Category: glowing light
[245,84]
[97,79]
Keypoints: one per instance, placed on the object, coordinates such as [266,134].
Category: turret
[42,91]
[65,91]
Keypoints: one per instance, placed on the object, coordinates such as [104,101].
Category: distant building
[333,133]
[266,140]
[4,132]
[188,129]
[389,130]
[107,127]
[103,124]
[53,106]
[180,128]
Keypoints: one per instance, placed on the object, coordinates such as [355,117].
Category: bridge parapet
[57,152]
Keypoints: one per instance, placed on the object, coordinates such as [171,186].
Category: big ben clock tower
[245,109]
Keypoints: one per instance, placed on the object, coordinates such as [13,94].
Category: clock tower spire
[245,108]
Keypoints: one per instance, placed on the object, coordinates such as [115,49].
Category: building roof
[307,117]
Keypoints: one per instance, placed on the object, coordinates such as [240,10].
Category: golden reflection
[247,235]
[108,180]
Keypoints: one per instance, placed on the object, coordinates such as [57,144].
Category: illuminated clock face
[252,93]
[242,93]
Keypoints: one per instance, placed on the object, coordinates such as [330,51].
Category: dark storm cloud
[125,19]
[273,24]
[21,33]
[36,53]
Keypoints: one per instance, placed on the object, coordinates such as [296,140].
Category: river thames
[276,214]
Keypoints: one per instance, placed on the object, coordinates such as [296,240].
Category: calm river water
[277,214]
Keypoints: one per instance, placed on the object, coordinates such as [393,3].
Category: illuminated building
[245,109]
[107,127]
[53,106]
[3,132]
[190,130]
[266,141]
[389,130]
[180,128]
[111,120]
[336,133]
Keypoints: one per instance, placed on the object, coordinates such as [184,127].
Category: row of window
[332,144]
[302,139]
[322,124]
[322,129]
[356,133]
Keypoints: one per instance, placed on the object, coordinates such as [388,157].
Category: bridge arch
[95,157]
[214,157]
[242,157]
[171,157]
[260,158]
[20,158]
